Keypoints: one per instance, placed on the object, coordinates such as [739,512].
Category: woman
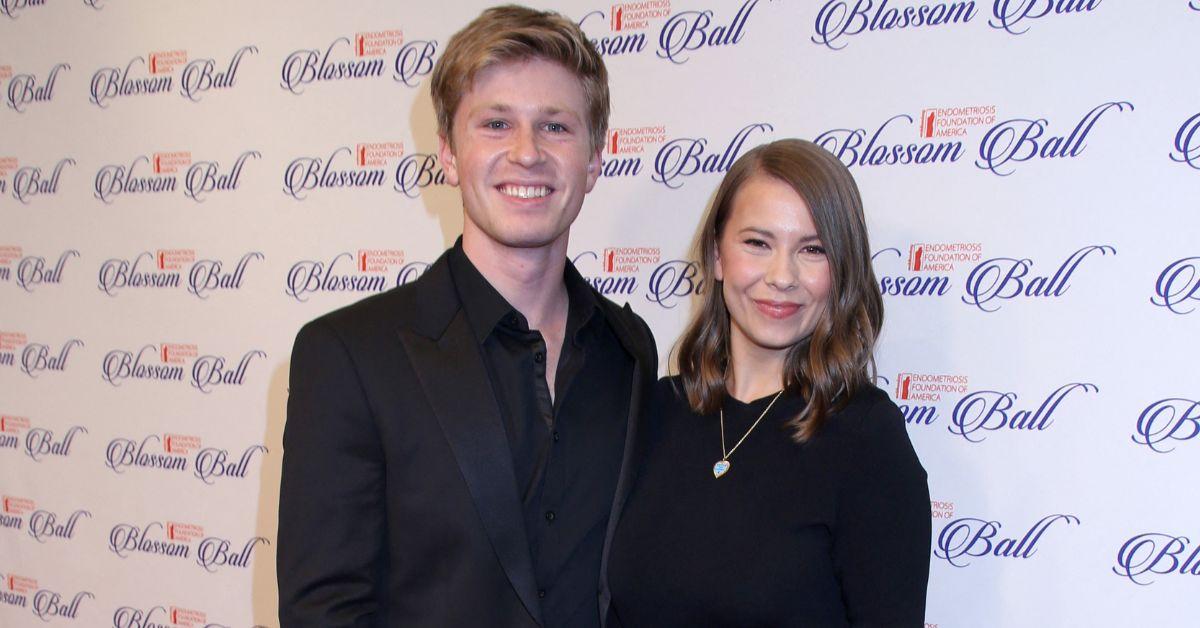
[776,485]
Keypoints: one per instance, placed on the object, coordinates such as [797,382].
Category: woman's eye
[814,249]
[756,243]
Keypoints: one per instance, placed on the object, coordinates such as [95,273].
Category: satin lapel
[455,381]
[637,390]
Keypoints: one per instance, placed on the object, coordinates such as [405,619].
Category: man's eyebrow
[549,110]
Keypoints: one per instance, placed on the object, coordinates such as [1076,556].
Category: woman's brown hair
[828,366]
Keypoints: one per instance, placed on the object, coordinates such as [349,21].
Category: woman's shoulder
[869,414]
[669,397]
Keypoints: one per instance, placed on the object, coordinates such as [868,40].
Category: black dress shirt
[566,452]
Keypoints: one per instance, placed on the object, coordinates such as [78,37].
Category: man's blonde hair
[515,33]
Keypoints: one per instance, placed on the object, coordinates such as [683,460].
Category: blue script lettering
[613,45]
[1020,140]
[686,156]
[927,285]
[39,442]
[109,83]
[203,177]
[413,61]
[112,180]
[672,281]
[214,552]
[125,538]
[845,145]
[44,524]
[120,365]
[305,66]
[966,538]
[124,452]
[606,284]
[36,358]
[1156,553]
[200,75]
[129,617]
[418,171]
[689,31]
[1005,278]
[29,182]
[1187,143]
[23,89]
[1007,14]
[989,410]
[119,273]
[312,276]
[310,173]
[47,604]
[1179,282]
[838,18]
[215,463]
[210,371]
[208,275]
[10,8]
[1174,419]
[32,271]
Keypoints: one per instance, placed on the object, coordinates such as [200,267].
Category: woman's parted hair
[827,367]
[516,33]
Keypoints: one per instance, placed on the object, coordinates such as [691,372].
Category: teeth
[525,191]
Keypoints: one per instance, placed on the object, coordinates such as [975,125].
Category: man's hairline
[469,84]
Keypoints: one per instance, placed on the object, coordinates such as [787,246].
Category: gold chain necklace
[722,465]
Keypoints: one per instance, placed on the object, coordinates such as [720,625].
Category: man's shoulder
[385,313]
[623,317]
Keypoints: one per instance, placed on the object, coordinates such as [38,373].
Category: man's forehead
[567,94]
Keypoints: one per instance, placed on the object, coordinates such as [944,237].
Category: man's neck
[530,279]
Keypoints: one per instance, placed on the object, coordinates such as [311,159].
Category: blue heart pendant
[720,468]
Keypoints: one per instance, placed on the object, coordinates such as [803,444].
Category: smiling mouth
[777,309]
[524,191]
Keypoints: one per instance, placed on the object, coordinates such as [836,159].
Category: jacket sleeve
[648,342]
[332,534]
[881,539]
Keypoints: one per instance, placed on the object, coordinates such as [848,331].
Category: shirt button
[538,357]
[556,437]
[549,515]
[541,593]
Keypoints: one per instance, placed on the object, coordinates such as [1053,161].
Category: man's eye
[496,124]
[556,127]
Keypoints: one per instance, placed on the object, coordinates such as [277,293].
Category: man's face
[521,154]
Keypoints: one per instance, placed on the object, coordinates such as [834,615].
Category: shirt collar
[486,307]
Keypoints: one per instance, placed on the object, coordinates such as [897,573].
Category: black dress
[834,532]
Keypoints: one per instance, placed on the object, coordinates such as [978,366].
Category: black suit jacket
[398,502]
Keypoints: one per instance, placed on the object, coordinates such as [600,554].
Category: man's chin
[524,238]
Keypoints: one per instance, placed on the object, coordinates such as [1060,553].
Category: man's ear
[594,167]
[446,156]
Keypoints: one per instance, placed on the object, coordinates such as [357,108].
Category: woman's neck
[754,372]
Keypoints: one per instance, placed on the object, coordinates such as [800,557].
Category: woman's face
[773,268]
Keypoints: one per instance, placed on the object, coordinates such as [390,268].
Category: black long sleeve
[834,532]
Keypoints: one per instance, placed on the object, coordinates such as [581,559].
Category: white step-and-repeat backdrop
[183,184]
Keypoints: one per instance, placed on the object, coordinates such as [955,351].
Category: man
[456,449]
